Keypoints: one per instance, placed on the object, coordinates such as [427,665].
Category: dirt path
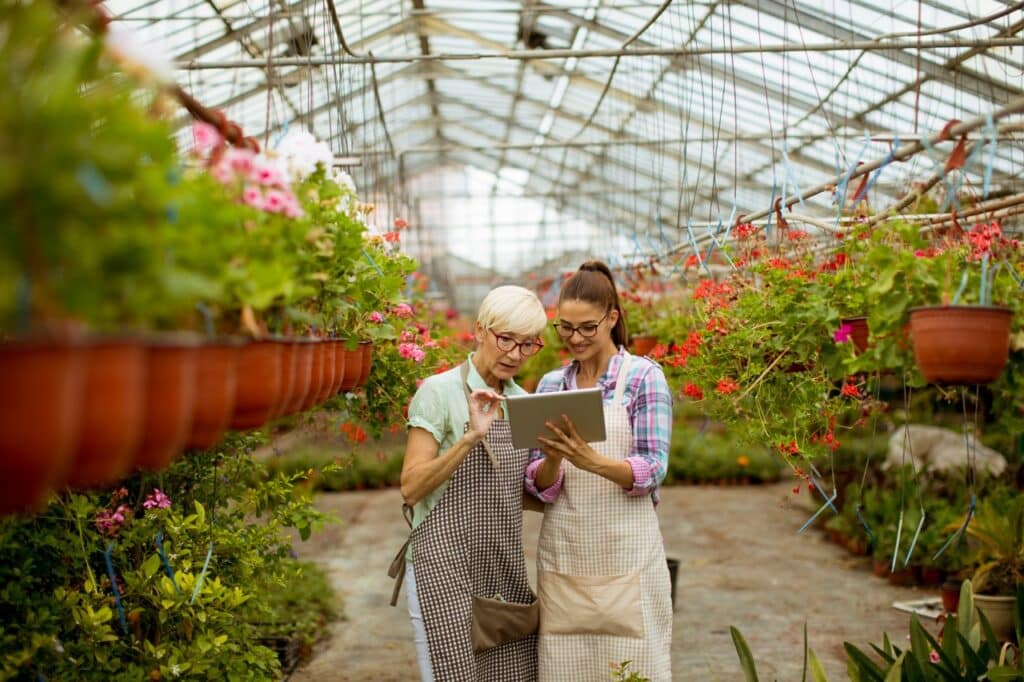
[741,563]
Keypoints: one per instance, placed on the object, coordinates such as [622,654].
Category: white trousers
[419,631]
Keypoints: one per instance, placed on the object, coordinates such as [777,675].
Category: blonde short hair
[512,309]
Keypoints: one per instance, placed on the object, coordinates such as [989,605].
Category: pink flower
[240,160]
[402,310]
[933,656]
[275,201]
[411,351]
[157,500]
[222,173]
[265,173]
[376,317]
[205,137]
[252,196]
[844,333]
[401,223]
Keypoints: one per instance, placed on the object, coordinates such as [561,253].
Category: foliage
[966,650]
[698,455]
[622,673]
[59,616]
[997,531]
[362,468]
[87,181]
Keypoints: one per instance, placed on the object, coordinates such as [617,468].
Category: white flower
[301,152]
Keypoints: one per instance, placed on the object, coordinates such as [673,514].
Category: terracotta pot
[170,401]
[859,332]
[259,384]
[216,386]
[40,409]
[330,373]
[950,591]
[931,576]
[316,374]
[303,375]
[113,412]
[287,376]
[880,567]
[999,612]
[340,361]
[643,344]
[903,577]
[353,368]
[961,344]
[366,362]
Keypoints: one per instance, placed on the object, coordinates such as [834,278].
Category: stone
[937,449]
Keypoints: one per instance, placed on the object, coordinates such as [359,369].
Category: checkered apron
[471,543]
[594,529]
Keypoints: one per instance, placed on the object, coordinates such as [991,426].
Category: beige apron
[603,580]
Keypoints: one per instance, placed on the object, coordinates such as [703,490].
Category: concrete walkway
[742,564]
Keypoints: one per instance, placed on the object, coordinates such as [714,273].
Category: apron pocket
[497,622]
[590,604]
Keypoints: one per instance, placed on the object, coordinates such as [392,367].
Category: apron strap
[620,379]
[397,568]
[464,371]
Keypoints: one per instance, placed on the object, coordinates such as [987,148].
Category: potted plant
[997,535]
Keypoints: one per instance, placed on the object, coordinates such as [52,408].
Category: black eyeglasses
[586,330]
[506,344]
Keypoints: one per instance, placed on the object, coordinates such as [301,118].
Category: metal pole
[857,45]
[1005,134]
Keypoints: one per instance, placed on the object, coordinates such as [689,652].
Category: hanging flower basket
[353,369]
[170,400]
[961,344]
[642,345]
[340,366]
[259,384]
[859,332]
[316,375]
[287,376]
[40,408]
[216,386]
[366,362]
[331,369]
[303,373]
[113,412]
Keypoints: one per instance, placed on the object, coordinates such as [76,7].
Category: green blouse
[439,407]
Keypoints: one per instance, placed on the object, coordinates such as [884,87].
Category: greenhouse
[511,340]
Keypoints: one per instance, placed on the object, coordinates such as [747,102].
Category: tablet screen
[528,413]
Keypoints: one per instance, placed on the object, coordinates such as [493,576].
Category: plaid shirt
[649,404]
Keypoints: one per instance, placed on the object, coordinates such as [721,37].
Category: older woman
[602,576]
[470,602]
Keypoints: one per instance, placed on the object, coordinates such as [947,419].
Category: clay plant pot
[317,375]
[340,360]
[353,368]
[643,344]
[366,362]
[950,591]
[303,352]
[113,412]
[259,384]
[170,400]
[216,386]
[961,344]
[859,332]
[286,377]
[880,567]
[40,409]
[331,370]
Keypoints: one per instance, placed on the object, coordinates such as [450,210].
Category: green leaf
[746,658]
[895,673]
[151,565]
[817,671]
[868,669]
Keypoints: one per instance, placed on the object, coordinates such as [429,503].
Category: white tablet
[528,413]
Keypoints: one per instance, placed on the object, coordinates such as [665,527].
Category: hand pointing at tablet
[484,407]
